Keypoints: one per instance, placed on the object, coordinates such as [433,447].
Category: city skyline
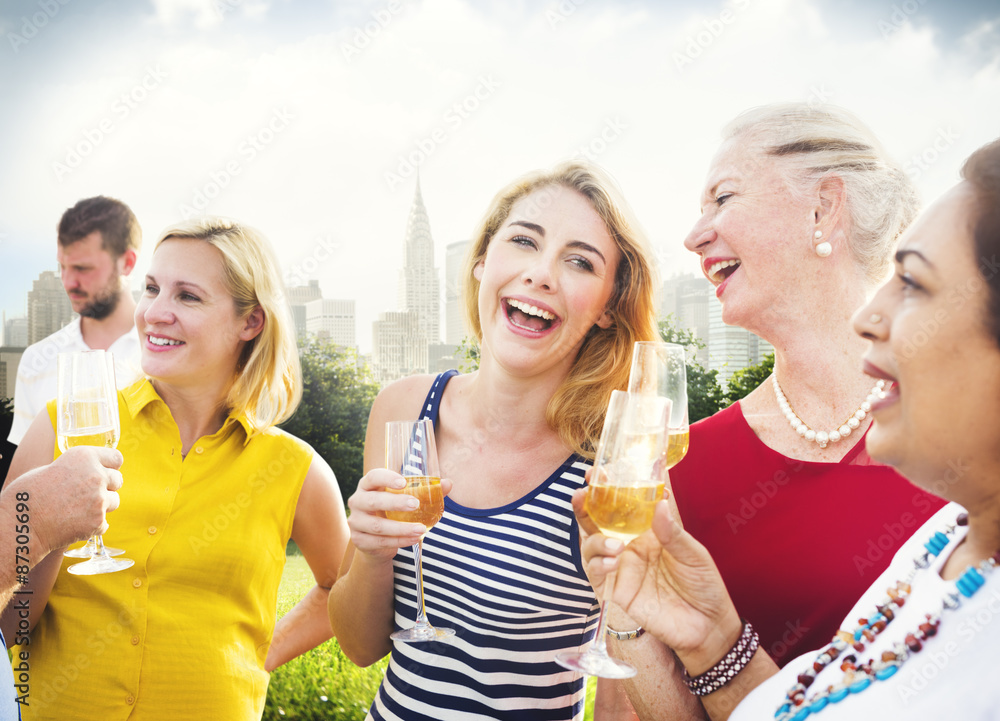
[310,123]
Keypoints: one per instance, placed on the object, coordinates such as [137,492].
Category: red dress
[797,542]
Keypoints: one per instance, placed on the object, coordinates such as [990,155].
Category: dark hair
[982,170]
[116,222]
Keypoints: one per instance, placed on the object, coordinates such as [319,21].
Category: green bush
[323,683]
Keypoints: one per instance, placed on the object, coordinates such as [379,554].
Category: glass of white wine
[659,369]
[627,480]
[87,415]
[410,450]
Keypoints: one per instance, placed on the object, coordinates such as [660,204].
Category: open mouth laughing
[529,317]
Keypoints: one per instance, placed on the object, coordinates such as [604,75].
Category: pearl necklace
[857,675]
[822,437]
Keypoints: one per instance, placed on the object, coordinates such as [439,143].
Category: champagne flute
[89,549]
[87,415]
[410,450]
[627,480]
[659,369]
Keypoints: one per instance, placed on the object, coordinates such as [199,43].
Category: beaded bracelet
[725,670]
[626,635]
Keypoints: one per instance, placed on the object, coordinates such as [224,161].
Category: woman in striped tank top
[558,287]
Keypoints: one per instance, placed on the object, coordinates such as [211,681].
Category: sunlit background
[308,118]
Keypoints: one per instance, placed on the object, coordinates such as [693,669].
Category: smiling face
[91,277]
[186,319]
[754,235]
[930,336]
[546,280]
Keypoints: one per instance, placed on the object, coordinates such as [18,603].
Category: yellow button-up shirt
[185,631]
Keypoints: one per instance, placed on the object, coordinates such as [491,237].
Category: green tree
[468,352]
[705,396]
[338,392]
[746,379]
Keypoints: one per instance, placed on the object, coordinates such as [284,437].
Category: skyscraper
[331,319]
[49,308]
[399,346]
[454,314]
[419,287]
[691,299]
[298,296]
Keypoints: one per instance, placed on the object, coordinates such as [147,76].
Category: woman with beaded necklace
[920,642]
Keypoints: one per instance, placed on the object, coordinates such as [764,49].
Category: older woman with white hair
[799,214]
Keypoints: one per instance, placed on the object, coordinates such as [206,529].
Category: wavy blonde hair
[809,143]
[267,384]
[576,410]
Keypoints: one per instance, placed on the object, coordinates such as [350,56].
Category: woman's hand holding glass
[372,531]
[666,582]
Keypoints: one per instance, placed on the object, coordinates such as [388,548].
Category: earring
[822,249]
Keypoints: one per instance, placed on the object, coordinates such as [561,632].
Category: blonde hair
[576,410]
[267,384]
[810,143]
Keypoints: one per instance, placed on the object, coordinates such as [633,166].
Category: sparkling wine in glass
[410,451]
[659,369]
[87,415]
[628,478]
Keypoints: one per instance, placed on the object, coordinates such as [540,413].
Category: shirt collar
[141,393]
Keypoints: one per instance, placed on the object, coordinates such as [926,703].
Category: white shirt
[36,373]
[951,677]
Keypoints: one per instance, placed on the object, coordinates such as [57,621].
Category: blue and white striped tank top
[510,581]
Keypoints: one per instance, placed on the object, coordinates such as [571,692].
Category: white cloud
[545,90]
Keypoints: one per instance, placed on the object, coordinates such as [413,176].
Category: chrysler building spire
[419,288]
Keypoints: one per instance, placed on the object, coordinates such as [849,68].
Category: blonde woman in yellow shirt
[213,492]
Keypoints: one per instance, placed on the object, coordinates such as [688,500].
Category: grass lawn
[323,684]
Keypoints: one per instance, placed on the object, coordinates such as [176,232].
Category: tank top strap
[433,400]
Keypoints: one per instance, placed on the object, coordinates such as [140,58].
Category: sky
[308,119]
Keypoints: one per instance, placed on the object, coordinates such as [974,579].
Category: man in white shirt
[99,241]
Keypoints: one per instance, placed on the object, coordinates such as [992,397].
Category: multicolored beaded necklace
[859,676]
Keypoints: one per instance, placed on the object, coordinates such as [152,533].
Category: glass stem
[418,567]
[100,553]
[600,646]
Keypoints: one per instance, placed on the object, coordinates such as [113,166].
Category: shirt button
[136,582]
[199,449]
[130,699]
[135,640]
[152,530]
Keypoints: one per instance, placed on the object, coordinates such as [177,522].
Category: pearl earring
[822,249]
